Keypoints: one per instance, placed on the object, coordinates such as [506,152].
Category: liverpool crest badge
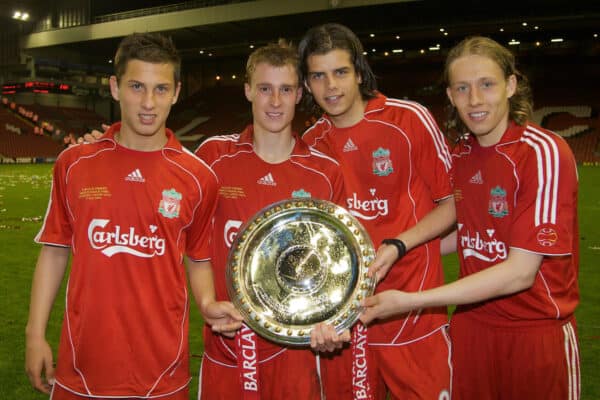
[170,203]
[382,165]
[300,193]
[498,206]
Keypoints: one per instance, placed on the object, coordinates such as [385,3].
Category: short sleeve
[433,159]
[57,229]
[200,231]
[546,206]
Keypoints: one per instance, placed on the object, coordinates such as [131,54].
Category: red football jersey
[129,218]
[396,166]
[247,185]
[520,193]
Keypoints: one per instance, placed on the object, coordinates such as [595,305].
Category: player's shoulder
[317,131]
[396,109]
[81,151]
[192,163]
[539,139]
[220,140]
[542,149]
[322,158]
[218,145]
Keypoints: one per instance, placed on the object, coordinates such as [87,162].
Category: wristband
[399,244]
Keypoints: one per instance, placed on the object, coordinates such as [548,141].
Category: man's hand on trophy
[324,338]
[223,318]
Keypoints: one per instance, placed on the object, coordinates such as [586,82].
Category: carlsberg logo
[118,240]
[367,209]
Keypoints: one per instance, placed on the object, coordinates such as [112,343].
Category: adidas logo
[135,176]
[350,146]
[477,178]
[267,180]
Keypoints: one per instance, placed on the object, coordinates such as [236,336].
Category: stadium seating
[25,144]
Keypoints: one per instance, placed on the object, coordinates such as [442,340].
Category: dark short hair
[277,54]
[324,38]
[520,103]
[149,47]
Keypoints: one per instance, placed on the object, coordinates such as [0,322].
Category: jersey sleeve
[546,207]
[57,229]
[200,231]
[433,160]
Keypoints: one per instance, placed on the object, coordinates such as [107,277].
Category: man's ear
[511,85]
[449,94]
[299,95]
[114,87]
[177,90]
[248,92]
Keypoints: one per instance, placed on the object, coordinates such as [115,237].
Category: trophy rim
[299,334]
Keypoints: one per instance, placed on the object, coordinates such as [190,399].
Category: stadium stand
[26,145]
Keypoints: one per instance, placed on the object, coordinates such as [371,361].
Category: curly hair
[520,104]
[149,47]
[325,38]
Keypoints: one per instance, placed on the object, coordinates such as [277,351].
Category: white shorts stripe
[572,359]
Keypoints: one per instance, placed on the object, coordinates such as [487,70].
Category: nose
[276,98]
[148,100]
[474,96]
[331,82]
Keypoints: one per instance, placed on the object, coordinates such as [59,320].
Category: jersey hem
[126,396]
[540,253]
[405,343]
[510,324]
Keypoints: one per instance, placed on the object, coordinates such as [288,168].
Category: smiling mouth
[478,115]
[274,114]
[333,99]
[147,118]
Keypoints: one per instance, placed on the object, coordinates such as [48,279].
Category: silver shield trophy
[296,263]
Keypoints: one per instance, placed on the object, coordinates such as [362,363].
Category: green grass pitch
[24,193]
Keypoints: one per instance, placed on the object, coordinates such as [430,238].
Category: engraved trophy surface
[296,263]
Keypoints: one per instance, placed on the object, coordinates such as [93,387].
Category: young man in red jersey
[264,164]
[515,184]
[396,171]
[128,207]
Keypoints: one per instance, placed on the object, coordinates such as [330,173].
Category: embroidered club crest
[170,204]
[547,237]
[300,193]
[498,206]
[382,165]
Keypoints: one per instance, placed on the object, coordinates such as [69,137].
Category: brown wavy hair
[324,38]
[520,104]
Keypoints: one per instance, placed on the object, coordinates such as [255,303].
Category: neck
[135,141]
[352,116]
[493,137]
[273,147]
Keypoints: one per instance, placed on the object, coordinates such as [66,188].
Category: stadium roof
[230,28]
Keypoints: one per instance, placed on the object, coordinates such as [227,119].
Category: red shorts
[290,375]
[60,393]
[533,362]
[420,369]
